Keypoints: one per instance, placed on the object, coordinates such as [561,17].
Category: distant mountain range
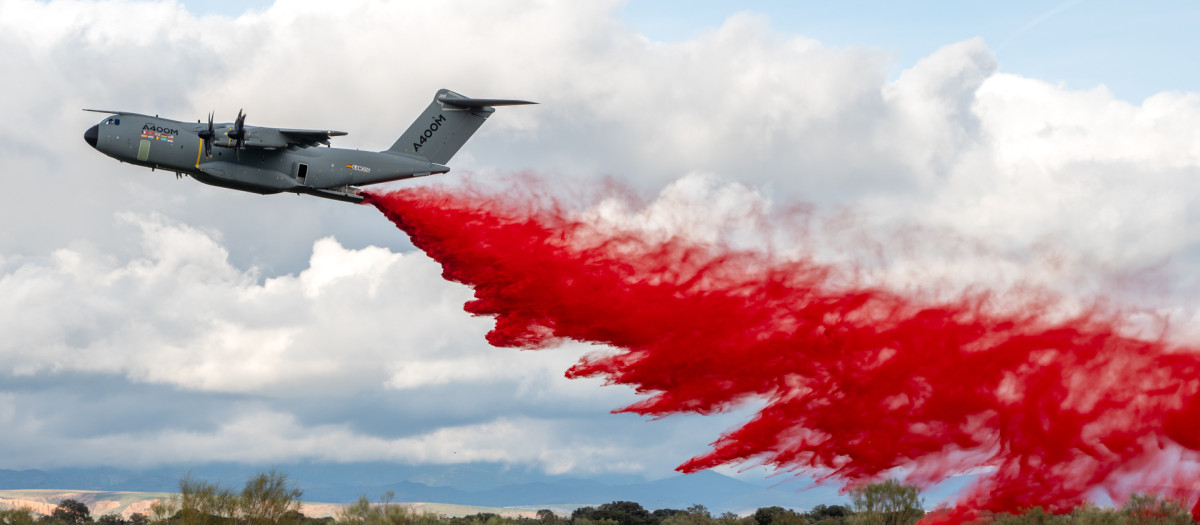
[480,484]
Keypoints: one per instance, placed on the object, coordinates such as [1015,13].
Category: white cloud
[702,208]
[254,434]
[179,313]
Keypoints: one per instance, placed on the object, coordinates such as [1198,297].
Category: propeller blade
[238,134]
[206,135]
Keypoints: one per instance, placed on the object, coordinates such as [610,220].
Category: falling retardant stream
[857,382]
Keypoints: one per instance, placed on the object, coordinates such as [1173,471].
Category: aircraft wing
[116,112]
[271,138]
[307,137]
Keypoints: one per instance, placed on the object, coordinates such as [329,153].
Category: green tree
[363,512]
[790,518]
[620,512]
[355,513]
[1032,516]
[203,503]
[886,503]
[137,518]
[661,514]
[1089,514]
[694,515]
[267,498]
[764,515]
[163,509]
[72,512]
[19,516]
[111,518]
[292,517]
[729,518]
[588,521]
[828,514]
[1150,509]
[782,516]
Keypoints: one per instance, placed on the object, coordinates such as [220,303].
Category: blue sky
[1135,49]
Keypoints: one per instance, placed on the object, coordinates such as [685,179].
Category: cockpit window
[113,121]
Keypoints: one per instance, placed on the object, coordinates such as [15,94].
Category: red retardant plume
[859,383]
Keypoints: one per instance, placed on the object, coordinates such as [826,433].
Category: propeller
[207,136]
[238,133]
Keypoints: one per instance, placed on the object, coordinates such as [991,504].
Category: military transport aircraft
[273,160]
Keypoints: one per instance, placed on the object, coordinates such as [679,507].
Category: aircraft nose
[92,135]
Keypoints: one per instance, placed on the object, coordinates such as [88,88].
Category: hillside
[43,501]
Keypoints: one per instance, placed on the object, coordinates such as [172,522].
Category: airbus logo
[437,123]
[160,129]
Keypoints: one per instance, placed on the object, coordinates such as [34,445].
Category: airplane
[269,160]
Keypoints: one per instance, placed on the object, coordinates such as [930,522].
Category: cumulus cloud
[352,327]
[179,313]
[297,322]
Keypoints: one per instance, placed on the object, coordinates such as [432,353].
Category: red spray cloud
[859,382]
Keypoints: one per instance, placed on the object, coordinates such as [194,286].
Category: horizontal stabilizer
[463,102]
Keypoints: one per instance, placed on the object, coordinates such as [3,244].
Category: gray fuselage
[176,146]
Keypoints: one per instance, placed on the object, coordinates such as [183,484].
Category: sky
[152,321]
[1134,51]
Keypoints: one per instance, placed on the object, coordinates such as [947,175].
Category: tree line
[272,499]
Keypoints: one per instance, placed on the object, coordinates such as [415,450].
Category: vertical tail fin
[446,125]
